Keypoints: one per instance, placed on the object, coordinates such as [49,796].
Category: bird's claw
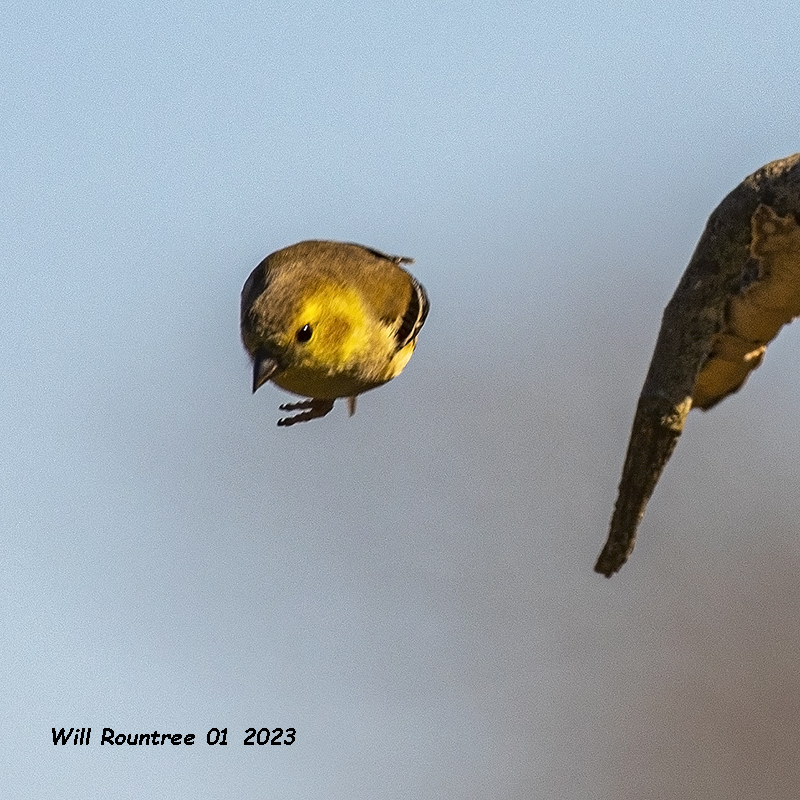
[312,409]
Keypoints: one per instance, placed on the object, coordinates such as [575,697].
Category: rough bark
[742,284]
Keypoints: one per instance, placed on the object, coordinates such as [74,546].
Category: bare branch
[741,286]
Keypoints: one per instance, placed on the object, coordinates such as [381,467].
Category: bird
[325,319]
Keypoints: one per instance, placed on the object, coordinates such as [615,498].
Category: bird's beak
[264,367]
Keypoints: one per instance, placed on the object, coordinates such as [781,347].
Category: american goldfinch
[328,319]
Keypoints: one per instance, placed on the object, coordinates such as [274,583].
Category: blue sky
[411,589]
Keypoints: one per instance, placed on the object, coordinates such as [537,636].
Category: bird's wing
[398,299]
[414,316]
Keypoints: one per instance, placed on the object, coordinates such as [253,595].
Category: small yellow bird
[329,319]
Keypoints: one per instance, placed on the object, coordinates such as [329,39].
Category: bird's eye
[304,333]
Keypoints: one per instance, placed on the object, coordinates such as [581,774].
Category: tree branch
[742,284]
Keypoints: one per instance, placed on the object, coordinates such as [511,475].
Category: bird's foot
[312,409]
